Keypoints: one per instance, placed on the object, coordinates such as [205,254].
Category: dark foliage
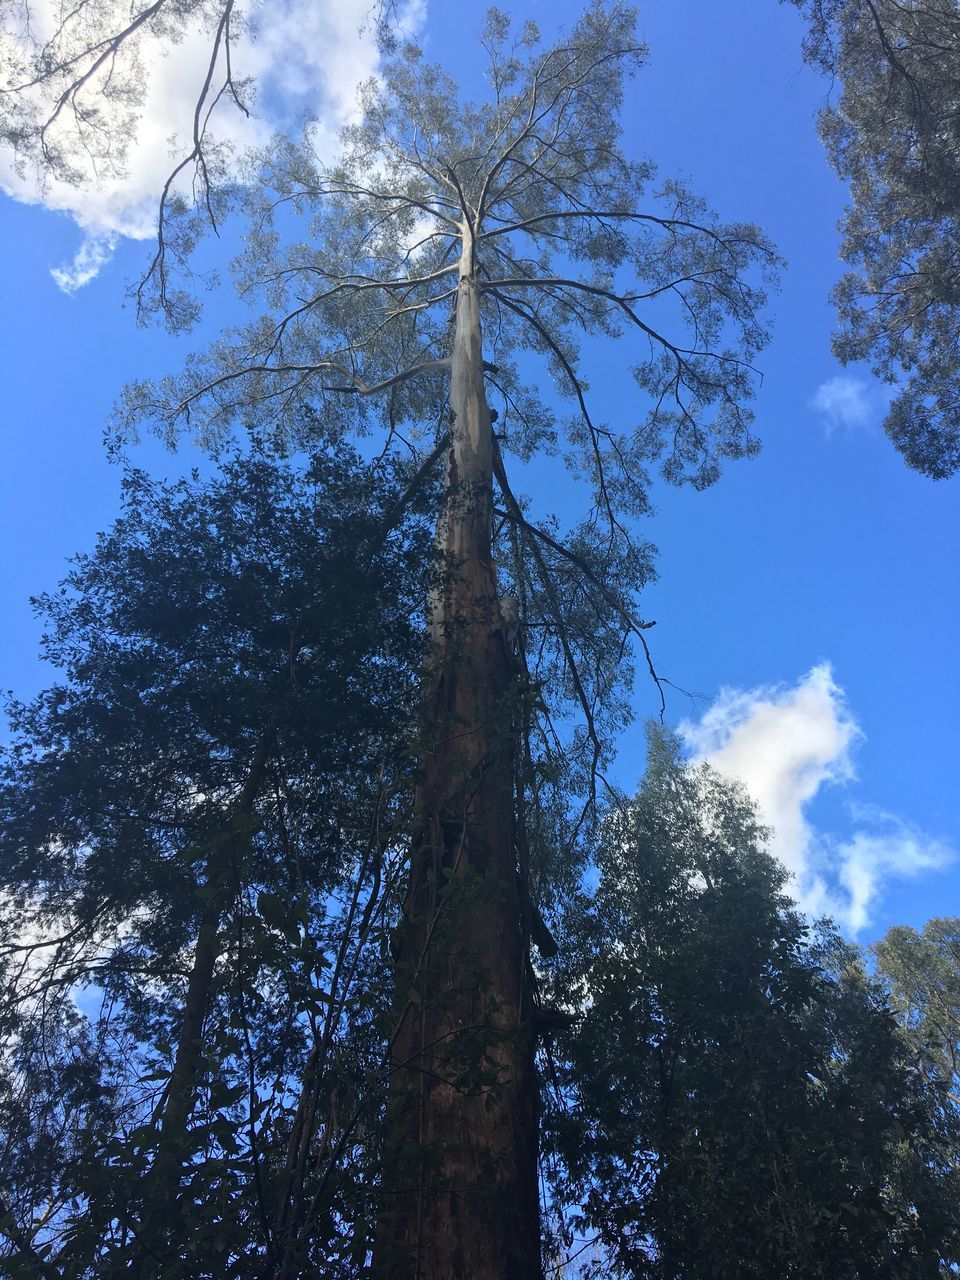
[222,772]
[735,1099]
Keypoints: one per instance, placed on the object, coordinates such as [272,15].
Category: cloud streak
[95,251]
[786,744]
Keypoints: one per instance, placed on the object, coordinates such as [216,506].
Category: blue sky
[808,600]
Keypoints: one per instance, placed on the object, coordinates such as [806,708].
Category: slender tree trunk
[160,1185]
[460,1171]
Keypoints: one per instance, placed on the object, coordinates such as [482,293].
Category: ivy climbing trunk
[460,1169]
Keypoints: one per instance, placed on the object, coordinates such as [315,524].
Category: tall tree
[893,134]
[203,826]
[733,1097]
[449,238]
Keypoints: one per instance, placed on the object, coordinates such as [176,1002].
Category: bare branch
[515,513]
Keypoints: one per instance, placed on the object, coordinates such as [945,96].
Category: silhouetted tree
[203,828]
[734,1097]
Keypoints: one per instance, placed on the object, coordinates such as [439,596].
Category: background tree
[922,972]
[202,836]
[893,135]
[734,1097]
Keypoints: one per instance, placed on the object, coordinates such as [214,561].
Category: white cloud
[308,59]
[870,858]
[786,743]
[95,250]
[846,402]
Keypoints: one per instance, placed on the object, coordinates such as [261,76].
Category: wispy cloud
[308,59]
[786,743]
[870,859]
[845,401]
[94,252]
[850,403]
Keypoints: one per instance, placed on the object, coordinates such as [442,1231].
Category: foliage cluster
[735,1098]
[892,134]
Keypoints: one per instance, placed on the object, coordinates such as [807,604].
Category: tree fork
[460,1177]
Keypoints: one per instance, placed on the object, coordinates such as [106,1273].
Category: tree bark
[460,1169]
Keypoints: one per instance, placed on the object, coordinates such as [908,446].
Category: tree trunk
[460,1168]
[160,1211]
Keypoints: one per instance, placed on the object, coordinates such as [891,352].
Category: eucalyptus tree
[200,849]
[892,134]
[450,246]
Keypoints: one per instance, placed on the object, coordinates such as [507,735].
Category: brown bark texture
[460,1194]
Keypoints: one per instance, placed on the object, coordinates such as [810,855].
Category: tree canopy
[892,134]
[204,820]
[922,971]
[566,236]
[72,88]
[734,1097]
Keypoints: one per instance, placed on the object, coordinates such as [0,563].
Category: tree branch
[514,512]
